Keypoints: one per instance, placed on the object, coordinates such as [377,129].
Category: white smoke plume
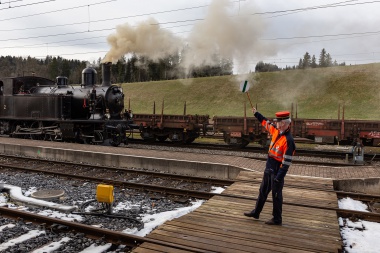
[145,39]
[233,36]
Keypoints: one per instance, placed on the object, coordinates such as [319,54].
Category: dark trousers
[268,184]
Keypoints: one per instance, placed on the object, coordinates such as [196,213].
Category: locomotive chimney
[106,74]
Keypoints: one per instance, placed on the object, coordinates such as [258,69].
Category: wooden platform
[220,226]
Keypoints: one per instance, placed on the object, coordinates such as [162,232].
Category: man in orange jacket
[280,155]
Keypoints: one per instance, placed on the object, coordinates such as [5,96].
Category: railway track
[50,230]
[101,238]
[65,231]
[113,239]
[151,181]
[328,158]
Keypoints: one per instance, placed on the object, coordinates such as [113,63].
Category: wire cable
[23,5]
[48,12]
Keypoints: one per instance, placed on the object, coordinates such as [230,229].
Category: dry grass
[318,93]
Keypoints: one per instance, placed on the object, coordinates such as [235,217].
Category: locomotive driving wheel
[118,136]
[96,139]
[115,139]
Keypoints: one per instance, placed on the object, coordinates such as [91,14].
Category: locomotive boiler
[38,108]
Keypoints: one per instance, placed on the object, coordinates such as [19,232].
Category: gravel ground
[127,202]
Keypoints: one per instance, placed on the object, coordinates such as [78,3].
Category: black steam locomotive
[38,108]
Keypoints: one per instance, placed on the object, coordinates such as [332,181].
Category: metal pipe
[106,74]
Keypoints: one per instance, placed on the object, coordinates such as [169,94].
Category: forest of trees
[306,62]
[134,69]
[50,67]
[141,69]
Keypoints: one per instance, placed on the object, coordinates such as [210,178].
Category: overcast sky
[274,31]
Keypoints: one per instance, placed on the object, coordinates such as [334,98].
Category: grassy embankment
[317,93]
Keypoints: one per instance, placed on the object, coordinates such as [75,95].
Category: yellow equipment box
[104,193]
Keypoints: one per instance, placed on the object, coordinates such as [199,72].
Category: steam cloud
[232,36]
[145,39]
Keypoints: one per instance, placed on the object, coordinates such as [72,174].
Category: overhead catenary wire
[298,11]
[315,7]
[110,19]
[51,44]
[10,1]
[24,5]
[323,35]
[47,12]
[189,20]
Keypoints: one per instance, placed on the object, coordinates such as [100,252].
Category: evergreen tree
[266,67]
[322,59]
[300,64]
[314,62]
[120,70]
[306,63]
[66,68]
[329,61]
[128,72]
[54,68]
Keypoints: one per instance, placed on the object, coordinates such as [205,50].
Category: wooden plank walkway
[220,226]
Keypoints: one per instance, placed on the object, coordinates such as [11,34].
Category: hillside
[317,93]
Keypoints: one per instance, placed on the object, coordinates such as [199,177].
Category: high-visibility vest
[278,145]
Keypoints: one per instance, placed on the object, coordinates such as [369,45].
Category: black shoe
[272,222]
[251,214]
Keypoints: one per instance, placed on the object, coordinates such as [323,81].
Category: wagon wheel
[147,136]
[161,138]
[243,143]
[190,140]
[210,133]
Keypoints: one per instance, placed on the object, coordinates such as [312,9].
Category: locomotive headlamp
[104,193]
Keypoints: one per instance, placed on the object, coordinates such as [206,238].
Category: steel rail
[184,192]
[214,181]
[139,186]
[91,231]
[299,152]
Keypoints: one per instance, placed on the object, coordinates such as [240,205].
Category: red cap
[282,115]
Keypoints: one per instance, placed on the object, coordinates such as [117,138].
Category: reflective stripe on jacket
[281,148]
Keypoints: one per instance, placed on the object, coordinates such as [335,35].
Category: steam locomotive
[39,108]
